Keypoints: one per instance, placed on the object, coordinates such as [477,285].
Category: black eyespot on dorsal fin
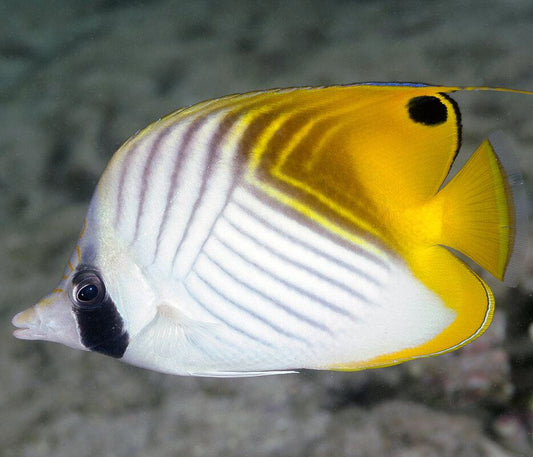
[428,110]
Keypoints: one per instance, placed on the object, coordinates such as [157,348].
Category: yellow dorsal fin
[387,138]
[409,138]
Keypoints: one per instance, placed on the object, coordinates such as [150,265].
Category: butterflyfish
[301,228]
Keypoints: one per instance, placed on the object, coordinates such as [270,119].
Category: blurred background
[78,77]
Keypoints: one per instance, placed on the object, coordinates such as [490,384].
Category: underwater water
[78,78]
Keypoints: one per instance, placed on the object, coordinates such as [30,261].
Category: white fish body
[207,265]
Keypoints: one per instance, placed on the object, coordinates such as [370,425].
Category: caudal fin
[485,210]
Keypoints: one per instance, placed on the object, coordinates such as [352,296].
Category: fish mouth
[51,319]
[29,325]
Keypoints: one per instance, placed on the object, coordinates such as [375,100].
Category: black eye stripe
[102,330]
[100,325]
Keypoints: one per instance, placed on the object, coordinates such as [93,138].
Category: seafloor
[78,77]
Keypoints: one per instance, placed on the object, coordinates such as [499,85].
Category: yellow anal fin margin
[461,290]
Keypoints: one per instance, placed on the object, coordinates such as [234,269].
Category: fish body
[297,228]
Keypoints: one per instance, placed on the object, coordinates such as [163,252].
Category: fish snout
[29,325]
[51,319]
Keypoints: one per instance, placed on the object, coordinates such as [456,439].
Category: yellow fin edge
[461,289]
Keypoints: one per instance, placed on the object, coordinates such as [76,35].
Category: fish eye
[88,289]
[88,293]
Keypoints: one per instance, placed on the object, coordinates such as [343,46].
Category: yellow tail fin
[485,210]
